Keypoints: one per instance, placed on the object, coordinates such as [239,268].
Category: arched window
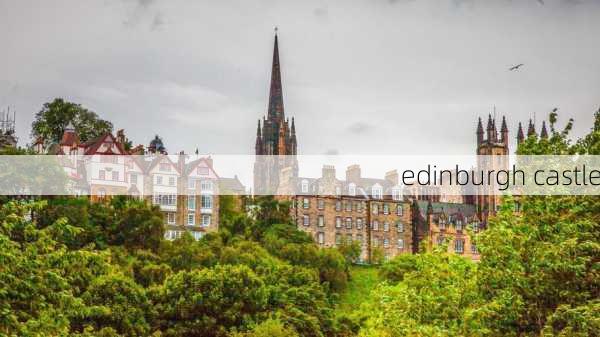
[304,186]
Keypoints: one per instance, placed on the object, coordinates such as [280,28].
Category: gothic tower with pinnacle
[276,144]
[490,143]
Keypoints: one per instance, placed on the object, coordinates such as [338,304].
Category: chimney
[392,177]
[353,173]
[121,136]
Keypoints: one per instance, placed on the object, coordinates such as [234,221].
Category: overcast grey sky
[371,76]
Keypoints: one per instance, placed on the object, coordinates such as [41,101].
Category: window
[396,194]
[348,223]
[102,175]
[171,235]
[349,238]
[191,184]
[203,171]
[206,185]
[191,219]
[459,225]
[348,206]
[338,238]
[474,249]
[115,175]
[305,203]
[338,190]
[338,222]
[359,223]
[352,189]
[376,191]
[321,238]
[399,210]
[321,221]
[133,178]
[399,227]
[459,246]
[375,242]
[360,206]
[442,223]
[197,235]
[165,199]
[475,226]
[171,181]
[400,243]
[375,209]
[304,186]
[320,204]
[359,238]
[206,219]
[171,218]
[159,180]
[306,220]
[386,209]
[164,167]
[206,201]
[191,201]
[338,205]
[386,242]
[375,225]
[386,227]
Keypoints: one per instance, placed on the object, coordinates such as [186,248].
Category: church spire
[520,135]
[275,112]
[504,132]
[544,132]
[479,132]
[531,128]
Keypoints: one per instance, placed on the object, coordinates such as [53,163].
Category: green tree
[116,301]
[434,297]
[350,250]
[51,122]
[269,328]
[211,301]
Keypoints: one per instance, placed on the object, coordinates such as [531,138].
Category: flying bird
[516,67]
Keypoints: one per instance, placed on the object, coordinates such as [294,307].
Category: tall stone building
[276,143]
[490,144]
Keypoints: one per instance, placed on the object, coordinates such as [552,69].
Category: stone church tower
[276,143]
[489,144]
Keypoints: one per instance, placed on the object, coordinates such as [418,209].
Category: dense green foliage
[69,267]
[51,122]
[539,273]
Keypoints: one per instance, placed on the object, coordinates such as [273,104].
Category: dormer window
[396,194]
[376,191]
[352,189]
[304,186]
